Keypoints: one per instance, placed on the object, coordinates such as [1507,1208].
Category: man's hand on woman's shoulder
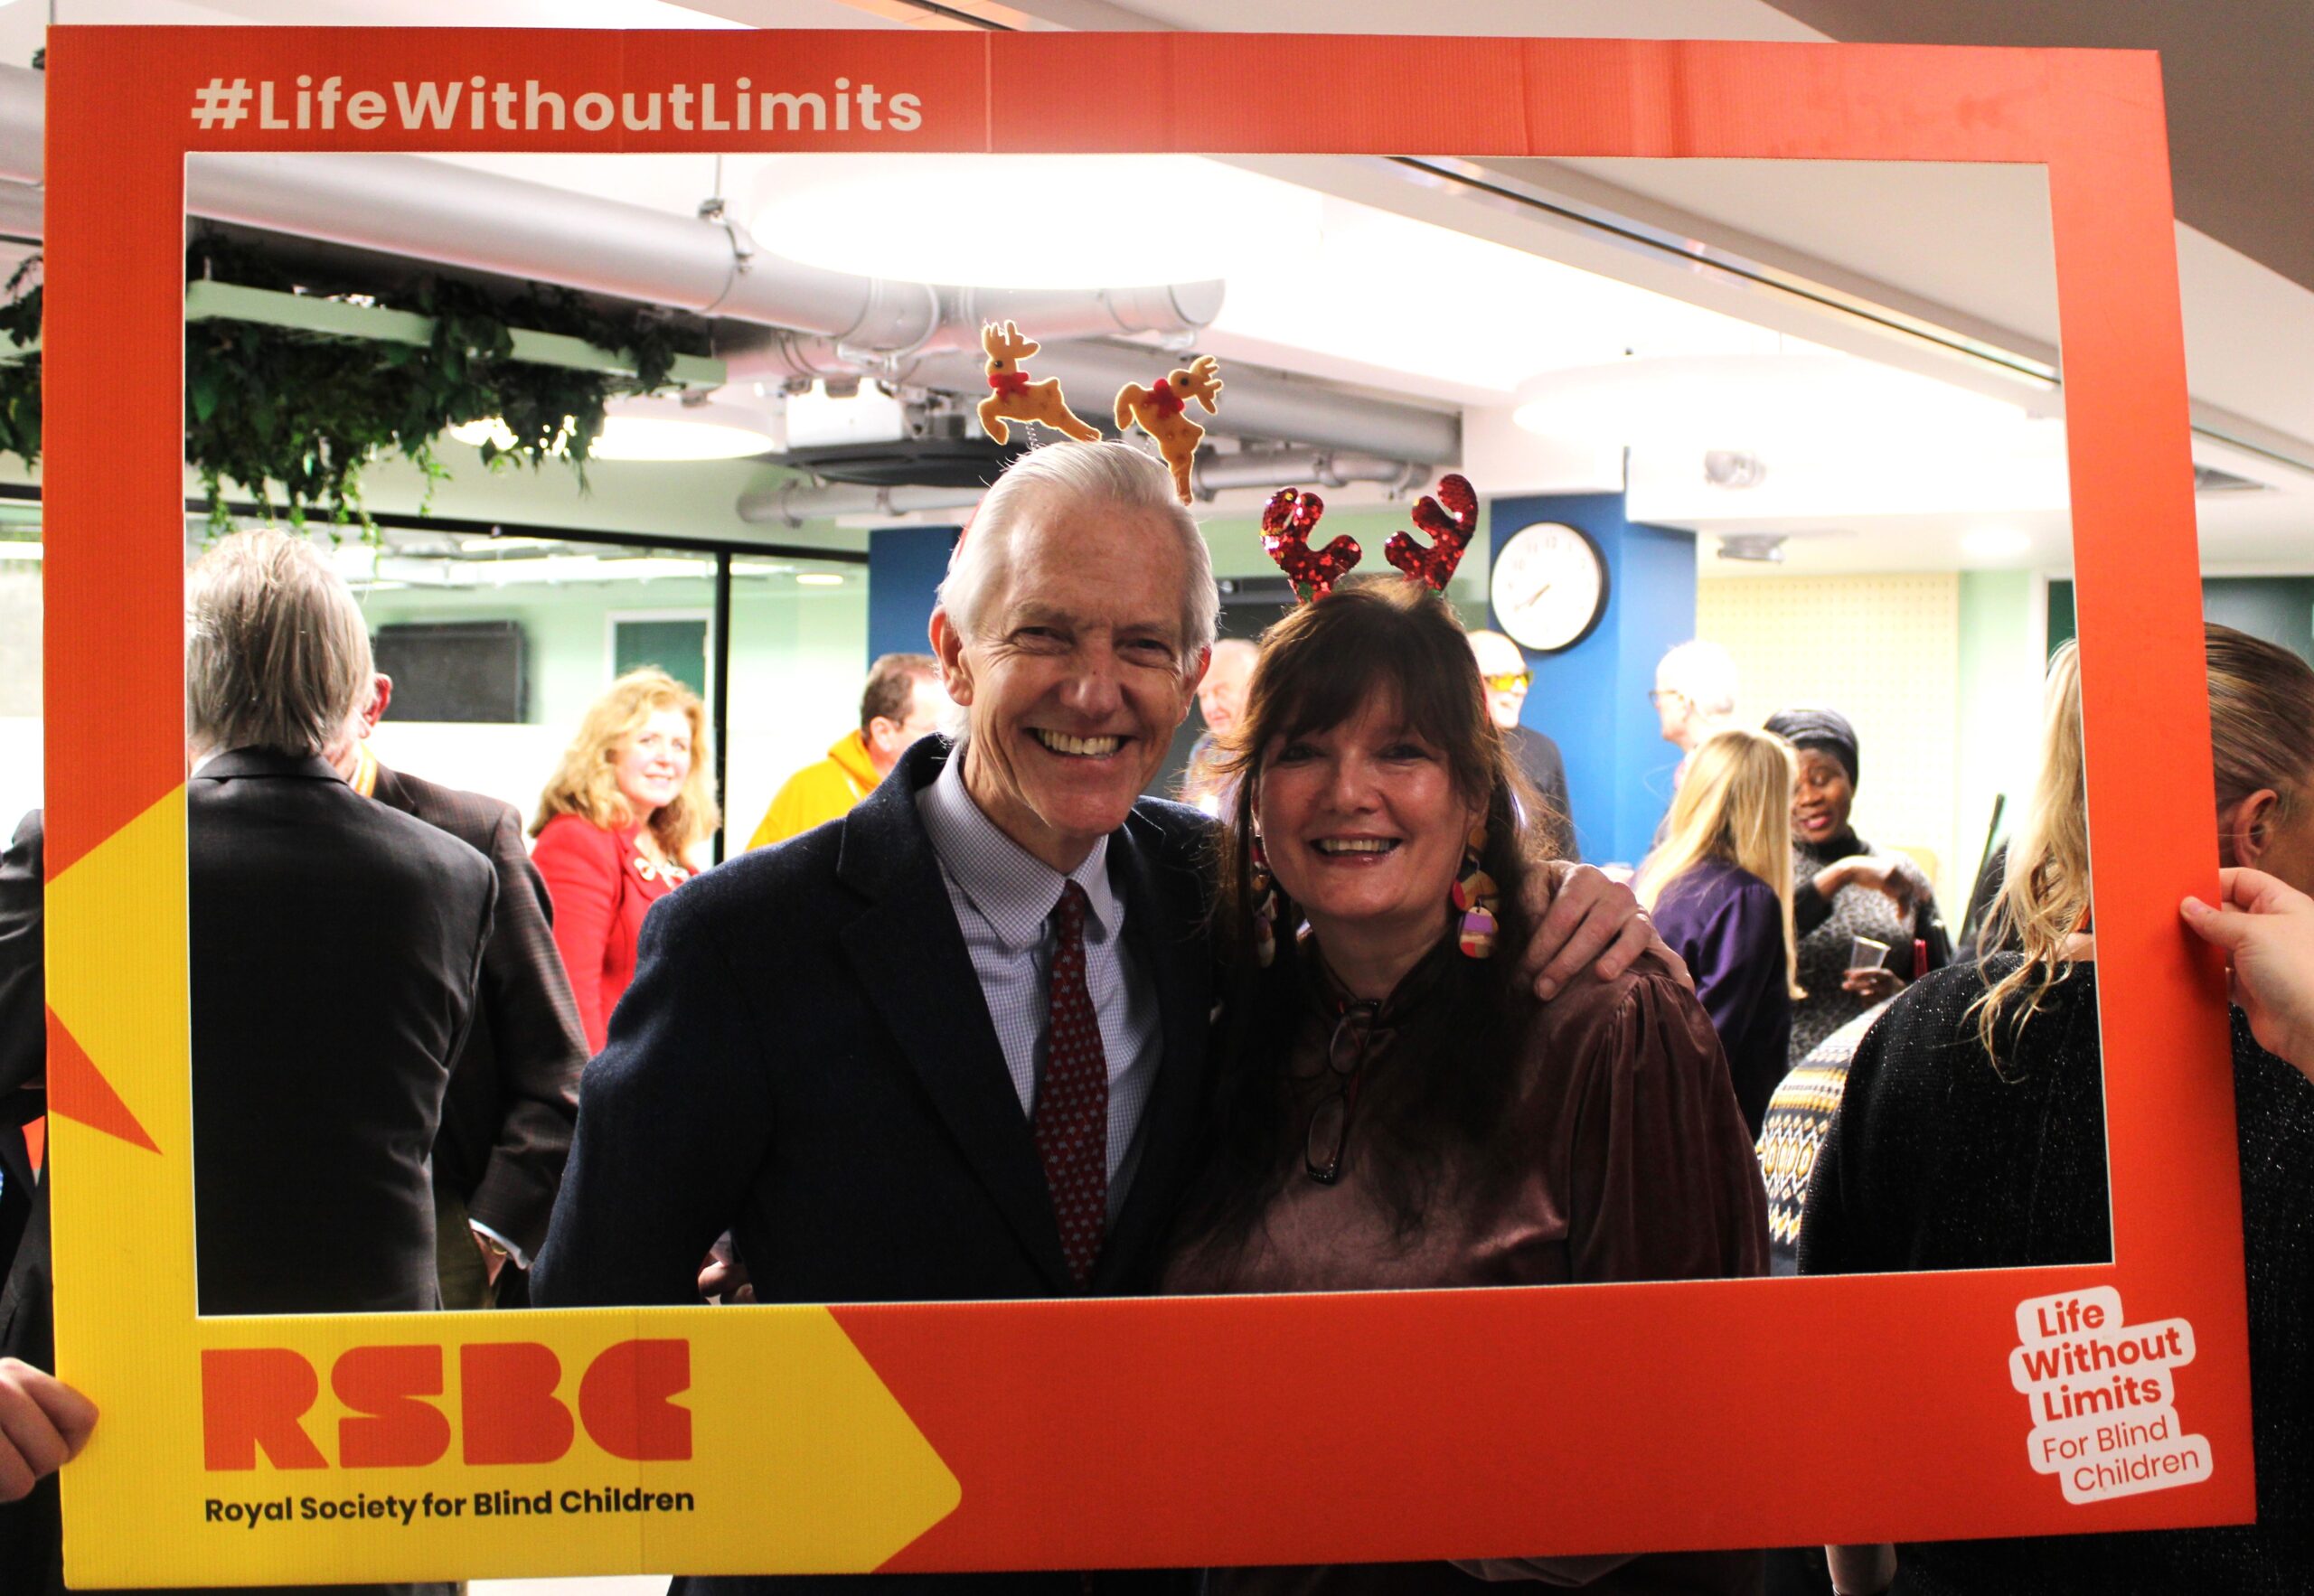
[1584,921]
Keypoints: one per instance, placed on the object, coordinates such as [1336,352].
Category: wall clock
[1549,586]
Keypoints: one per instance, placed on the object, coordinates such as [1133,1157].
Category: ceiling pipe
[433,211]
[1278,468]
[1051,315]
[23,107]
[1255,403]
[800,499]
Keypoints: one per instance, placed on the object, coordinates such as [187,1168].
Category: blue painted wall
[1592,699]
[905,565]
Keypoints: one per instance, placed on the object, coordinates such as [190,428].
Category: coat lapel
[1165,935]
[911,961]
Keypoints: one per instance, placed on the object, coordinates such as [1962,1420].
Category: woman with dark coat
[1843,889]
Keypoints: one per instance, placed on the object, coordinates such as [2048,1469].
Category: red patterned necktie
[1071,1122]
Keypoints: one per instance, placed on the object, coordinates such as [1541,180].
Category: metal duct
[1255,403]
[23,107]
[798,500]
[430,210]
[1279,468]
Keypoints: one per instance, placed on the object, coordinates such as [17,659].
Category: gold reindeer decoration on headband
[1161,412]
[1016,398]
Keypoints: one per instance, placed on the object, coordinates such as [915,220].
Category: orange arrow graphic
[78,1090]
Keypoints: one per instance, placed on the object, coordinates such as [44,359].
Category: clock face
[1549,586]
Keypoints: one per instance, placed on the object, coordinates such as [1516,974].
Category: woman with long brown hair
[615,827]
[1397,1111]
[1972,1134]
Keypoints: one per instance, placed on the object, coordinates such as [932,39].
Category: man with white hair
[1695,695]
[1221,700]
[954,1046]
[334,947]
[917,941]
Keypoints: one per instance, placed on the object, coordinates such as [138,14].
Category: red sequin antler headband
[1291,515]
[1449,530]
[1287,521]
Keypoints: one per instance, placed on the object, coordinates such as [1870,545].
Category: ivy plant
[306,411]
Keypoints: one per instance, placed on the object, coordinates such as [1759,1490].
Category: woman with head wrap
[1843,889]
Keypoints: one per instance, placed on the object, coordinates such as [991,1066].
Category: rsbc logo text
[256,1398]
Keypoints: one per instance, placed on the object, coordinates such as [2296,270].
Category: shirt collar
[1012,889]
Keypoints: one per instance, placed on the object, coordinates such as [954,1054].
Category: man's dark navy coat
[806,1058]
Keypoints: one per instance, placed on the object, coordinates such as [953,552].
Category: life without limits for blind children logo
[2102,1393]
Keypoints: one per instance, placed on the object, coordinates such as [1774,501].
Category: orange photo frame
[1592,1419]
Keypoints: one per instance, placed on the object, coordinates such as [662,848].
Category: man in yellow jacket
[901,704]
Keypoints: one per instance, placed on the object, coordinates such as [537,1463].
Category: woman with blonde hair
[1972,1134]
[1719,886]
[616,826]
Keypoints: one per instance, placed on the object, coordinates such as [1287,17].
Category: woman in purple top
[1721,890]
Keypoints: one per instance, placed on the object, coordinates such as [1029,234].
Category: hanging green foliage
[307,410]
[19,380]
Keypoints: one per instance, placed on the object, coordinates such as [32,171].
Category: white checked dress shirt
[1005,896]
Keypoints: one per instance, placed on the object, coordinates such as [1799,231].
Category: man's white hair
[1701,672]
[276,654]
[1101,474]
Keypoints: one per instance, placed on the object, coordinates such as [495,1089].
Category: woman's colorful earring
[1265,891]
[1475,896]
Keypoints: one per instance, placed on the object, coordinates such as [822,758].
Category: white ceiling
[1455,300]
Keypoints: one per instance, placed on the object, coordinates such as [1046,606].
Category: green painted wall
[795,675]
[2279,609]
[1996,741]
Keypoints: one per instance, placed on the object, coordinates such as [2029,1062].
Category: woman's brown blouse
[1637,1167]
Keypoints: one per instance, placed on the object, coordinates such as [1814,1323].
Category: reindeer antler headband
[1159,408]
[1013,398]
[1162,409]
[1291,515]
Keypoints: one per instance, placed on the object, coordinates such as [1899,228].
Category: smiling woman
[1396,1110]
[627,803]
[1867,921]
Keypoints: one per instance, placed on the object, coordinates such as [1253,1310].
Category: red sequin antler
[1287,521]
[1449,530]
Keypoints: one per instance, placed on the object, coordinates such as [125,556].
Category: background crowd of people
[983,1019]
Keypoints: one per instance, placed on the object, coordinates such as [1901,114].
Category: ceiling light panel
[1115,221]
[1412,297]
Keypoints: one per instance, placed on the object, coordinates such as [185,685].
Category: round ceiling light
[1767,404]
[1996,543]
[1027,221]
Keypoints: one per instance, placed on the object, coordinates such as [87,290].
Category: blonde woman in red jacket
[615,829]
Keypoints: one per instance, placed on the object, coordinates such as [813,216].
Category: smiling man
[953,1046]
